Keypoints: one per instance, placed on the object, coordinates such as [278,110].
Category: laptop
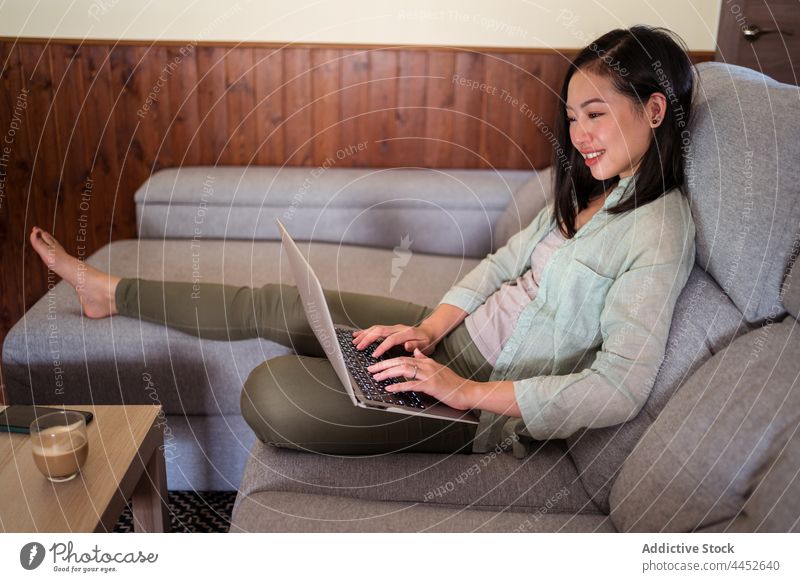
[351,364]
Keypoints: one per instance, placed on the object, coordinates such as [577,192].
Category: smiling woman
[612,125]
[563,328]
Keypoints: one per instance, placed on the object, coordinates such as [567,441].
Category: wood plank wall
[88,123]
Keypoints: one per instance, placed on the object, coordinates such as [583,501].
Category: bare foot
[95,289]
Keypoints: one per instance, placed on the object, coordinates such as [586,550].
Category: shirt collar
[612,198]
[617,192]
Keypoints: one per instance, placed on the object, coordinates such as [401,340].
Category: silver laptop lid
[316,308]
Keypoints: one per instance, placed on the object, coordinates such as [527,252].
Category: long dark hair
[640,61]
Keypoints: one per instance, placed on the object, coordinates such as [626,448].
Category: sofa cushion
[544,482]
[55,356]
[206,452]
[279,511]
[704,322]
[744,183]
[526,202]
[441,211]
[697,463]
[773,492]
[791,286]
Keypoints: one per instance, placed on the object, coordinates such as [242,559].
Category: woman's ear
[655,109]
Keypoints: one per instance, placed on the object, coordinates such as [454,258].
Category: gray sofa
[716,447]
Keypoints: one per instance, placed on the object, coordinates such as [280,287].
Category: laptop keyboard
[357,362]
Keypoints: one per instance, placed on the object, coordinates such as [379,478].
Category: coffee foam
[58,440]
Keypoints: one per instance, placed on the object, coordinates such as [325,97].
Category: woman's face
[605,126]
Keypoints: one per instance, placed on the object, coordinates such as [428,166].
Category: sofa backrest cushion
[441,211]
[704,455]
[773,494]
[744,182]
[703,323]
[790,291]
[526,203]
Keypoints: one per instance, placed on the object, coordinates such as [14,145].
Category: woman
[561,329]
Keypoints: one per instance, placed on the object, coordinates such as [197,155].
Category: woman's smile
[610,132]
[592,157]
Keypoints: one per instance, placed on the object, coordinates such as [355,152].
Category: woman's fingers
[408,370]
[389,336]
[419,344]
[389,342]
[390,363]
[373,334]
[395,339]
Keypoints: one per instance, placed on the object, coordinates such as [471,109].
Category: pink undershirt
[493,322]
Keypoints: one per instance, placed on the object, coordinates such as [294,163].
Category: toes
[45,237]
[36,238]
[49,239]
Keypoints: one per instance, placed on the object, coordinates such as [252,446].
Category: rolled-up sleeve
[635,324]
[503,265]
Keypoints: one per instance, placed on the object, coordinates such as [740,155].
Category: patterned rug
[191,512]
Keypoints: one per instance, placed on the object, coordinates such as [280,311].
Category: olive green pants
[297,401]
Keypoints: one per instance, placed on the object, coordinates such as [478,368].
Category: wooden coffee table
[126,461]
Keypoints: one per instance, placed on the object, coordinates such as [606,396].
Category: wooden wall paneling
[184,131]
[440,99]
[269,106]
[326,105]
[213,133]
[30,280]
[298,126]
[524,90]
[240,98]
[12,230]
[105,164]
[138,118]
[153,133]
[7,289]
[43,140]
[7,70]
[497,112]
[72,111]
[551,71]
[89,174]
[41,194]
[468,102]
[355,106]
[382,97]
[412,84]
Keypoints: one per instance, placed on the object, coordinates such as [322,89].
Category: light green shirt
[585,352]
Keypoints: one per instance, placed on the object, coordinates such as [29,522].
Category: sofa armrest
[448,212]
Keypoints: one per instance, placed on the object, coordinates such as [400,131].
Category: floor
[192,512]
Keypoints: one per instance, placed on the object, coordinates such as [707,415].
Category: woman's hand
[410,337]
[429,376]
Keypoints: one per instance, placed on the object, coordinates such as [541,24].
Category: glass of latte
[60,445]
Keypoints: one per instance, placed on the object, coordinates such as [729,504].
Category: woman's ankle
[113,284]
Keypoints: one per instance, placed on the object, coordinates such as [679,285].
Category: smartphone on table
[18,418]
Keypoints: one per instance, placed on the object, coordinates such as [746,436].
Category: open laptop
[349,363]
